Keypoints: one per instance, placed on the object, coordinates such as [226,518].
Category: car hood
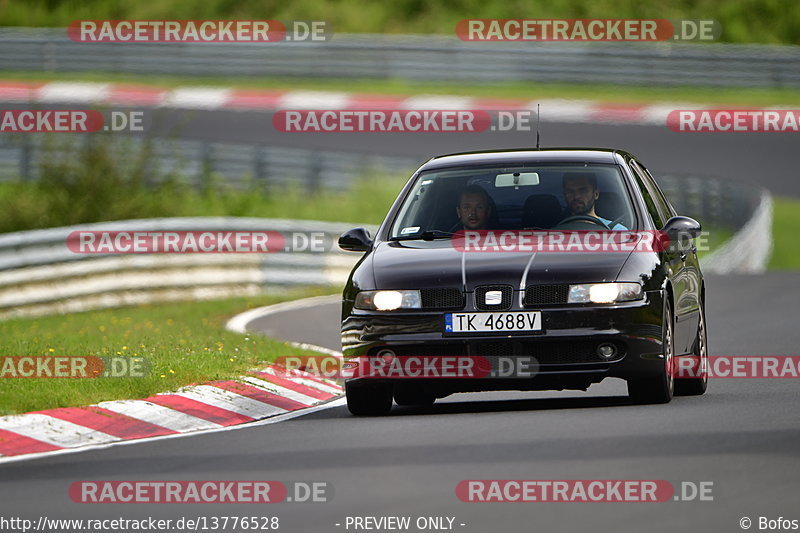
[435,264]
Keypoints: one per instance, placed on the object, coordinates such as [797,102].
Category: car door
[673,256]
[693,278]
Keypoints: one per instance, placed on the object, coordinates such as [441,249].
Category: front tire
[697,386]
[658,389]
[368,400]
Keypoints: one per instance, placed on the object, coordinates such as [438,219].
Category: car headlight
[388,300]
[604,293]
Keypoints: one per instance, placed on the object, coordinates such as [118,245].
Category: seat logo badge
[493,297]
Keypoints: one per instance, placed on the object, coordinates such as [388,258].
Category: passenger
[580,192]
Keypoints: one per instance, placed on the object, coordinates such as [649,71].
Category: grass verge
[25,206]
[623,94]
[183,343]
[785,229]
[713,238]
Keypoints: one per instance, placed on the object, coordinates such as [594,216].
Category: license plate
[492,322]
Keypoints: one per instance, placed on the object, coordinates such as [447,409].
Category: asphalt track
[770,160]
[742,435]
[767,159]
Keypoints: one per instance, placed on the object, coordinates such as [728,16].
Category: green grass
[25,206]
[712,239]
[183,343]
[766,21]
[785,231]
[738,96]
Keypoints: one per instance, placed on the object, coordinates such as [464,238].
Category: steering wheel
[582,218]
[616,221]
[458,226]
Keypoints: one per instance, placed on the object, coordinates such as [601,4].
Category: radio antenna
[538,117]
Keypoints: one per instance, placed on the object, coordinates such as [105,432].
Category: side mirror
[681,227]
[355,240]
[680,231]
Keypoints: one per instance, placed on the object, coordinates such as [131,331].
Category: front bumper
[564,354]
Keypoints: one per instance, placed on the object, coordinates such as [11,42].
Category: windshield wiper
[425,236]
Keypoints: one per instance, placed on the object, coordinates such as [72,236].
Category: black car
[574,317]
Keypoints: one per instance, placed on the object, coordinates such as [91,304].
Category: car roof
[526,155]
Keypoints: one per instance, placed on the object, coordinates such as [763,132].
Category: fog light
[606,350]
[386,355]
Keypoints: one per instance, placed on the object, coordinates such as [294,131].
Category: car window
[659,212]
[443,200]
[660,193]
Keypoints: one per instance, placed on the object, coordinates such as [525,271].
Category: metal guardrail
[748,251]
[415,57]
[40,275]
[194,162]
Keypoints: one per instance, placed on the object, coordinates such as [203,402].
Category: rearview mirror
[517,179]
[355,240]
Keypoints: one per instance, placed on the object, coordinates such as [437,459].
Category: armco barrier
[196,162]
[40,275]
[748,251]
[415,57]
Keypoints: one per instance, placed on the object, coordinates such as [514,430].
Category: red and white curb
[210,98]
[268,393]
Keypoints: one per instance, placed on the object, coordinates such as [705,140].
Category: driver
[580,192]
[474,207]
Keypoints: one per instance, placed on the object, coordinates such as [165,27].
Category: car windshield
[443,202]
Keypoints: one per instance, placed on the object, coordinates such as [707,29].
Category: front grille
[442,298]
[507,292]
[546,294]
[494,349]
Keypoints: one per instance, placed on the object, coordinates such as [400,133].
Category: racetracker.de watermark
[387,120]
[200,491]
[381,121]
[385,366]
[71,367]
[734,120]
[581,490]
[70,121]
[198,31]
[588,30]
[197,241]
[737,367]
[529,241]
